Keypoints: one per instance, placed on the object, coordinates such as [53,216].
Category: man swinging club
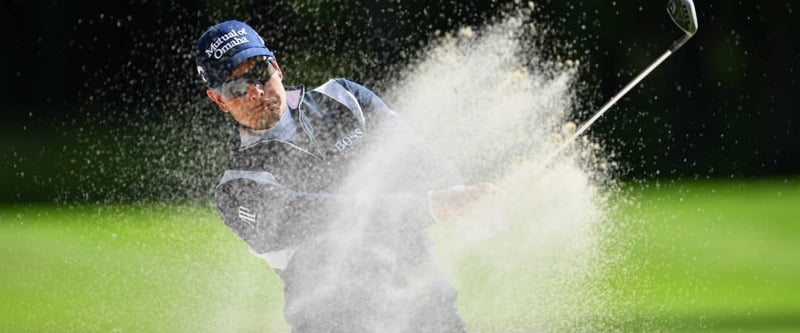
[281,193]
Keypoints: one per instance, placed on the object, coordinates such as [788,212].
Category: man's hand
[456,201]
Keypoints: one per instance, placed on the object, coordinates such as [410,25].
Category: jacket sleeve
[271,217]
[371,104]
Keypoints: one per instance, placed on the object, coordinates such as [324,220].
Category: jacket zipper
[319,155]
[313,141]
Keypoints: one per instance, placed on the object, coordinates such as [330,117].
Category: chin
[263,123]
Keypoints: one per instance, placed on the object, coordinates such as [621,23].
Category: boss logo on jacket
[348,141]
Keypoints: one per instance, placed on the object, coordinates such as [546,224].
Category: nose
[257,91]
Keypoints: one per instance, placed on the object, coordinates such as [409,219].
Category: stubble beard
[273,111]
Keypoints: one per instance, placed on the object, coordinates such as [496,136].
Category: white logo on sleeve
[246,216]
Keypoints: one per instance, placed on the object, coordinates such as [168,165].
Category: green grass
[720,254]
[693,257]
[130,269]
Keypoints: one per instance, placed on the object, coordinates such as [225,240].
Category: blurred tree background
[101,101]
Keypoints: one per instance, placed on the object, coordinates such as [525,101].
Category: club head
[683,14]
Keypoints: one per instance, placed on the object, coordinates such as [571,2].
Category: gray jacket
[335,198]
[282,184]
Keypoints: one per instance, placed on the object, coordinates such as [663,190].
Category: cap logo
[202,73]
[231,40]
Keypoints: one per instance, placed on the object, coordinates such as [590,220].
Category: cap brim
[240,57]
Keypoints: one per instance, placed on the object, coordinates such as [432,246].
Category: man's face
[259,106]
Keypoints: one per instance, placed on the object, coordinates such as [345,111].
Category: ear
[217,98]
[277,68]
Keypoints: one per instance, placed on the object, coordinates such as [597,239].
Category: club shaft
[609,104]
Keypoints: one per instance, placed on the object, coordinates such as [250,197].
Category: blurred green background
[710,256]
[109,151]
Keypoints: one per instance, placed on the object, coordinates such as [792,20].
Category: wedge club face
[683,14]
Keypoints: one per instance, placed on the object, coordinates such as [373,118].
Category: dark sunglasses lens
[236,88]
[261,73]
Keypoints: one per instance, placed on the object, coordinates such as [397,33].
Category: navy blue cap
[223,47]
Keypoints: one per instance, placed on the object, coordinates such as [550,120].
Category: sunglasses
[261,72]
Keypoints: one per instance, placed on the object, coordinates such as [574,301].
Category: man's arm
[271,217]
[445,203]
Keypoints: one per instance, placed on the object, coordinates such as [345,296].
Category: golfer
[351,261]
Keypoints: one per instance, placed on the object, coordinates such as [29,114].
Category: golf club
[683,14]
